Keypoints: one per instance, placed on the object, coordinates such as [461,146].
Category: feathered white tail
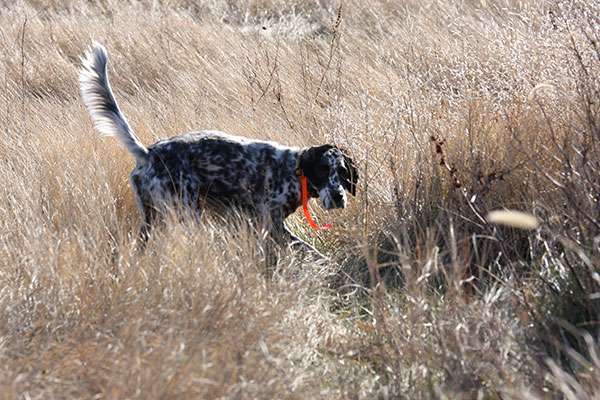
[101,104]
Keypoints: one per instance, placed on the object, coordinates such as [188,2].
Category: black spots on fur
[220,171]
[281,175]
[136,180]
[292,202]
[191,188]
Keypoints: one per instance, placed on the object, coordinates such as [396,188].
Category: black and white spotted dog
[217,170]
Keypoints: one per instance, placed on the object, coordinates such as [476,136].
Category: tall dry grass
[452,109]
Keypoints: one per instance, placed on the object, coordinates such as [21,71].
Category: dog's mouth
[333,200]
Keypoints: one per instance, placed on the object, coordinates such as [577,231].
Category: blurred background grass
[452,109]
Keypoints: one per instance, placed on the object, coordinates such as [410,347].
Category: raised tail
[101,104]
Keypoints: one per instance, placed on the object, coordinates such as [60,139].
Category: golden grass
[452,109]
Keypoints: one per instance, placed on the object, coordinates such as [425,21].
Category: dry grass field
[451,108]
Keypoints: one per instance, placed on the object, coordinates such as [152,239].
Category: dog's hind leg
[149,218]
[146,208]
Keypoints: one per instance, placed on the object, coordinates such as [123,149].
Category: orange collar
[305,196]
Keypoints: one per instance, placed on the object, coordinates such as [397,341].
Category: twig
[7,110]
[332,48]
[23,72]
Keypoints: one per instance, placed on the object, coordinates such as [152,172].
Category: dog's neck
[292,166]
[299,170]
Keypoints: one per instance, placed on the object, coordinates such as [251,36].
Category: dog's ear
[310,158]
[350,176]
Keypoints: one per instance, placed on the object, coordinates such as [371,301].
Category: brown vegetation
[453,109]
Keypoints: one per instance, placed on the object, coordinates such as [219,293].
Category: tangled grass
[453,110]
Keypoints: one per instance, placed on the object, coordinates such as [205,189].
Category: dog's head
[330,173]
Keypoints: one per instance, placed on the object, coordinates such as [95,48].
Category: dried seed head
[514,219]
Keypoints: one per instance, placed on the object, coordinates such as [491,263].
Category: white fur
[101,104]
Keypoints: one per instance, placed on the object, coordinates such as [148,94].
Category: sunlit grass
[451,109]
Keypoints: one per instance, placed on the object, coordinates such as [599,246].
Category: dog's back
[213,167]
